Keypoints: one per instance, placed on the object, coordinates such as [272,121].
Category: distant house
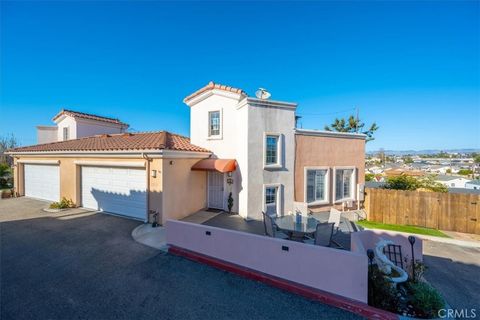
[474,184]
[452,181]
[71,125]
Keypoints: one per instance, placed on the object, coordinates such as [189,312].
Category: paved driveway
[455,271]
[86,265]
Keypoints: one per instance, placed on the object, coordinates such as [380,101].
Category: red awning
[220,165]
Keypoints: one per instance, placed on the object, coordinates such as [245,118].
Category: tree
[7,142]
[409,183]
[476,158]
[401,183]
[465,172]
[352,125]
[369,176]
[407,160]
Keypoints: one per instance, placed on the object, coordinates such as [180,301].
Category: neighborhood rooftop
[122,141]
[83,115]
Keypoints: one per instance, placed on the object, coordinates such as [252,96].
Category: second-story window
[271,152]
[214,123]
[65,134]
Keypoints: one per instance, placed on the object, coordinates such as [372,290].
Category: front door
[215,190]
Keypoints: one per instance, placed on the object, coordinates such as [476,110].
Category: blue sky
[413,67]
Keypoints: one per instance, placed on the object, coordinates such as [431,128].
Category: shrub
[424,299]
[62,204]
[401,183]
[411,183]
[382,294]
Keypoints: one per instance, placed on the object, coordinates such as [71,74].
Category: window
[343,184]
[271,200]
[214,123]
[271,152]
[316,186]
[65,133]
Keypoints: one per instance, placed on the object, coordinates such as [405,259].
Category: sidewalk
[152,237]
[462,239]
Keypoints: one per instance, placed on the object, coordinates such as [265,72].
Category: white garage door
[116,190]
[42,181]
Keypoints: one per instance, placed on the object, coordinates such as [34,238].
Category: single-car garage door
[116,190]
[42,181]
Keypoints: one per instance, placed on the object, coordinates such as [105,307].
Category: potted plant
[230,202]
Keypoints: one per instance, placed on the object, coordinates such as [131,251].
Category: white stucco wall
[87,128]
[455,183]
[228,145]
[79,128]
[70,123]
[47,134]
[276,120]
[244,122]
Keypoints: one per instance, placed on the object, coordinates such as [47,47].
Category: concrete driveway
[85,265]
[455,272]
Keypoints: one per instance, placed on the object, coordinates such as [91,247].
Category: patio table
[297,231]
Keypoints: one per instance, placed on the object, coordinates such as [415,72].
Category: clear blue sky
[413,67]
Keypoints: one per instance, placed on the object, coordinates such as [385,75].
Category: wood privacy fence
[444,211]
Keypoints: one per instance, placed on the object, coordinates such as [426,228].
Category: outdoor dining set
[304,228]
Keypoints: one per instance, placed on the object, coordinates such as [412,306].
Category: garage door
[42,181]
[116,190]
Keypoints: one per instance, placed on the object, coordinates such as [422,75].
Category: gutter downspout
[147,167]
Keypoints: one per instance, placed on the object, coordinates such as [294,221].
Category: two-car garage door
[116,190]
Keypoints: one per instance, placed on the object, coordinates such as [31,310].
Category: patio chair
[271,227]
[323,235]
[335,217]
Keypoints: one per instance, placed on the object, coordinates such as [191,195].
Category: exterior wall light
[154,173]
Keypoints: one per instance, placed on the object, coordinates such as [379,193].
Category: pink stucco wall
[337,271]
[367,239]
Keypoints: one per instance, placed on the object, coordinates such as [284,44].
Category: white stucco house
[276,163]
[452,181]
[474,184]
[73,125]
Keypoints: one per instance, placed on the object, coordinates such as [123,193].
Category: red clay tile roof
[118,142]
[211,85]
[83,115]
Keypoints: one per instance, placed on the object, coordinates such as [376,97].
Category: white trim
[353,184]
[130,164]
[278,195]
[53,128]
[327,186]
[116,153]
[204,95]
[323,133]
[279,163]
[39,161]
[254,102]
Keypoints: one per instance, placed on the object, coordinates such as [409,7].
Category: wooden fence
[444,211]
